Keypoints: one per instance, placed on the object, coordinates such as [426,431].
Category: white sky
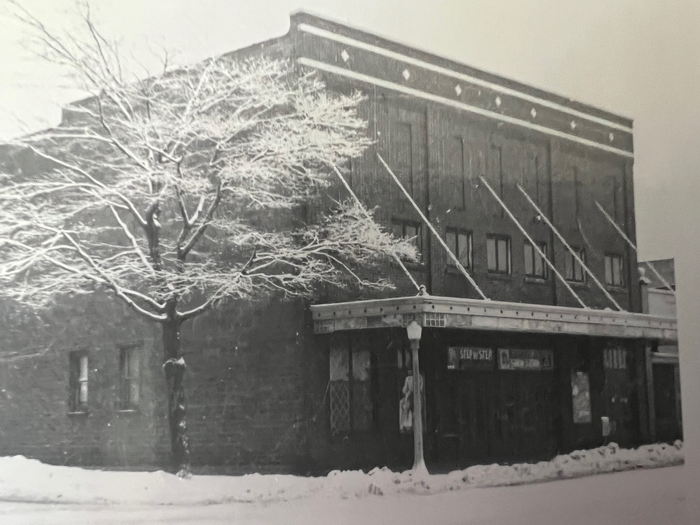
[637,58]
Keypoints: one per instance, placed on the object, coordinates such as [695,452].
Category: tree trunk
[174,368]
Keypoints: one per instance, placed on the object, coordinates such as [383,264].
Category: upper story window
[498,254]
[573,270]
[614,270]
[535,265]
[411,231]
[455,167]
[78,381]
[129,378]
[460,244]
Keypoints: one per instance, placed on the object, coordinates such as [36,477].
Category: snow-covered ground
[663,496]
[27,480]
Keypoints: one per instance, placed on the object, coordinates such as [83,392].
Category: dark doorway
[666,403]
[488,414]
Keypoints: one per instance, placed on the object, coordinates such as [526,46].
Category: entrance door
[618,393]
[498,416]
[665,402]
[523,414]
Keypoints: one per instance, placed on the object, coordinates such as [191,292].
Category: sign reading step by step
[469,358]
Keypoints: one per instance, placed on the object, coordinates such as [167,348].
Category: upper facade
[441,126]
[454,136]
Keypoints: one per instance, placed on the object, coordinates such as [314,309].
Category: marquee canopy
[476,314]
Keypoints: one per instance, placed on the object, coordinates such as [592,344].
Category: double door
[498,416]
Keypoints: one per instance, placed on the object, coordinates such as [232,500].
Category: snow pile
[609,458]
[23,479]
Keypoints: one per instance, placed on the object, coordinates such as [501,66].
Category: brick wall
[35,418]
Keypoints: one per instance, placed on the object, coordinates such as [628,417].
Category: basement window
[351,407]
[78,381]
[129,378]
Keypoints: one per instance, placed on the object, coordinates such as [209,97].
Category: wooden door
[619,404]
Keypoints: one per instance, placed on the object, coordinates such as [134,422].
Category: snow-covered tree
[180,190]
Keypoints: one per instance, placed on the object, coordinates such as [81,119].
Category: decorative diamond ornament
[533,112]
[344,55]
[406,74]
[572,124]
[611,136]
[498,101]
[458,89]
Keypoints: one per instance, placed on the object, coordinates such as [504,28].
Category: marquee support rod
[533,243]
[568,247]
[452,256]
[369,216]
[634,247]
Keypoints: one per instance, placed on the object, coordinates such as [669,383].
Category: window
[411,231]
[129,378]
[78,378]
[613,270]
[457,189]
[498,254]
[615,358]
[577,193]
[351,408]
[535,265]
[573,271]
[460,243]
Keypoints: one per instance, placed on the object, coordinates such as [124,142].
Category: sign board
[581,397]
[469,357]
[522,359]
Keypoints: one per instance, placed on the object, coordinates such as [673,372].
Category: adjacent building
[546,351]
[658,282]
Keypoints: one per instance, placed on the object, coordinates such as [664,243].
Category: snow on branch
[184,187]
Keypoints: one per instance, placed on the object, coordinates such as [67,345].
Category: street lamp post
[414,331]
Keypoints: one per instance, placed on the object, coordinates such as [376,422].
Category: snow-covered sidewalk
[28,480]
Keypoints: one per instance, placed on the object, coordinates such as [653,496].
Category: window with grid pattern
[615,358]
[351,406]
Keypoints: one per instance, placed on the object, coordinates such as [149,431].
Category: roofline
[457,65]
[652,261]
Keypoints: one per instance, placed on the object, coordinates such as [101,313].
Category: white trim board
[306,28]
[456,104]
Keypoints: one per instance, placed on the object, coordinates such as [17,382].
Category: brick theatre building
[532,341]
